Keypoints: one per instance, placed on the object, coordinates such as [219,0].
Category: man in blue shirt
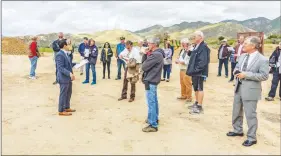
[120,47]
[81,50]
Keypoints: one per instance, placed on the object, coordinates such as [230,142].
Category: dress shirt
[135,53]
[239,50]
[251,59]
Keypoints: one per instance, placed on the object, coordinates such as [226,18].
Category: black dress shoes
[248,143]
[232,134]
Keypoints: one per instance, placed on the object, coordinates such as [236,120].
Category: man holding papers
[131,56]
[64,77]
[83,49]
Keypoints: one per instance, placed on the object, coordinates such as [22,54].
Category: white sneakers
[32,77]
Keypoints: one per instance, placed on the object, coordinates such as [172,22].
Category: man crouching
[152,68]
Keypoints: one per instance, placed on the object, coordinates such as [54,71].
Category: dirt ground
[102,125]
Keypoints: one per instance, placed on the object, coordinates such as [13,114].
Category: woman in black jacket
[105,58]
[276,78]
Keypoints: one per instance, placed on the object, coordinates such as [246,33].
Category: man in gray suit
[252,68]
[65,77]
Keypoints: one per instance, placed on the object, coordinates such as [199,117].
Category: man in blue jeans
[223,55]
[152,70]
[120,47]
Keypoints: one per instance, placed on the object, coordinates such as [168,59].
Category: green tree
[221,38]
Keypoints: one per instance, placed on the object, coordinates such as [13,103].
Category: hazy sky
[31,18]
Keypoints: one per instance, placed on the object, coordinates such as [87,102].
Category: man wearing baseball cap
[223,55]
[120,47]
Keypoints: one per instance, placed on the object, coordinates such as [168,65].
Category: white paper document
[230,49]
[78,65]
[86,53]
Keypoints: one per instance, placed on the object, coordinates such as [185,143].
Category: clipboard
[79,65]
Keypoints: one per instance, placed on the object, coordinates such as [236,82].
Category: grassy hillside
[113,36]
[228,30]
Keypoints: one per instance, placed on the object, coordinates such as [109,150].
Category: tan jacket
[133,72]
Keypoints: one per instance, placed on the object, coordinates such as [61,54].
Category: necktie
[245,63]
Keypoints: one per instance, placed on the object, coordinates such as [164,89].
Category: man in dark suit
[65,77]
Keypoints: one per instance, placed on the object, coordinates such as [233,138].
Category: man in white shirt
[185,80]
[128,53]
[250,71]
[239,48]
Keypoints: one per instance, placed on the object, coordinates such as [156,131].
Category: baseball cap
[224,40]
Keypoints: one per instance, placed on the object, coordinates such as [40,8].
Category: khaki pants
[186,85]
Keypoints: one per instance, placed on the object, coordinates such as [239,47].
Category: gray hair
[254,41]
[199,33]
[154,41]
[185,40]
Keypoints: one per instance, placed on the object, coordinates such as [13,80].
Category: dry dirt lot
[102,125]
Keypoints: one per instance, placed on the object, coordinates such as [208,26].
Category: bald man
[56,49]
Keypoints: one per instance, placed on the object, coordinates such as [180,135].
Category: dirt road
[102,125]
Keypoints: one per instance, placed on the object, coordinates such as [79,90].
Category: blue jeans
[93,67]
[152,103]
[33,62]
[274,83]
[119,65]
[167,71]
[233,64]
[225,62]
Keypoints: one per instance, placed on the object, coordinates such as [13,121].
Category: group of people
[147,61]
[228,54]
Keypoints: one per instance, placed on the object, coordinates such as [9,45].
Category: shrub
[43,49]
[221,38]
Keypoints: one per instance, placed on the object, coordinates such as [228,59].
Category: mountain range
[226,28]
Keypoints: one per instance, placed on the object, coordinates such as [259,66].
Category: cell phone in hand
[237,72]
